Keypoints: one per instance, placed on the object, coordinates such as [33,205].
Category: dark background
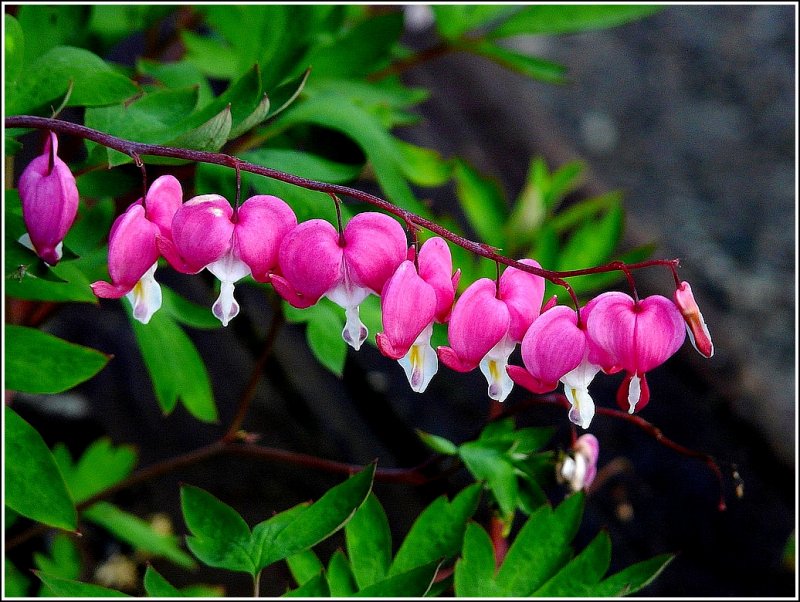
[691,113]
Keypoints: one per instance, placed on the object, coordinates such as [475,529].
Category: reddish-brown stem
[499,541]
[129,147]
[413,60]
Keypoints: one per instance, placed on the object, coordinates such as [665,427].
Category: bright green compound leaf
[15,583]
[556,19]
[454,20]
[94,82]
[482,202]
[437,443]
[369,543]
[220,538]
[137,532]
[341,582]
[437,532]
[316,587]
[67,588]
[414,583]
[14,44]
[101,466]
[541,547]
[474,573]
[323,332]
[64,561]
[579,575]
[304,566]
[530,66]
[45,498]
[633,578]
[38,362]
[188,313]
[161,338]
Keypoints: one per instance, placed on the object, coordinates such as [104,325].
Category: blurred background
[691,113]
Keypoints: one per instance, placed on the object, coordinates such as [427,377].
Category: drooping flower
[636,336]
[579,467]
[316,261]
[207,234]
[410,302]
[488,321]
[555,349]
[133,251]
[695,324]
[49,198]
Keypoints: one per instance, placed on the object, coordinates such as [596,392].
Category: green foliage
[67,588]
[64,561]
[559,19]
[45,498]
[157,587]
[15,584]
[102,465]
[369,543]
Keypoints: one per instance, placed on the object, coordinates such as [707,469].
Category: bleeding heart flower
[206,234]
[133,251]
[316,261]
[579,467]
[695,324]
[410,302]
[556,349]
[636,336]
[49,198]
[488,321]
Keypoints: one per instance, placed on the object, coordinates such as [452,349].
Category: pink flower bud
[637,336]
[315,260]
[49,198]
[695,324]
[579,468]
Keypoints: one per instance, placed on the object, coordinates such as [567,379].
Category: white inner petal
[420,363]
[493,366]
[350,297]
[573,471]
[145,296]
[634,392]
[228,269]
[576,388]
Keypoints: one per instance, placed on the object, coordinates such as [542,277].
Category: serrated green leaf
[316,587]
[454,20]
[633,578]
[530,66]
[304,566]
[14,45]
[37,362]
[369,543]
[157,587]
[582,573]
[413,583]
[474,572]
[482,202]
[438,444]
[559,19]
[137,532]
[220,538]
[437,532]
[541,547]
[341,582]
[44,498]
[188,313]
[15,583]
[67,588]
[163,337]
[101,466]
[94,82]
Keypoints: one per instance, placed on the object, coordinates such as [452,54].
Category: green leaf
[530,66]
[220,537]
[323,333]
[181,74]
[212,57]
[157,587]
[93,225]
[160,338]
[285,94]
[114,22]
[262,544]
[94,82]
[209,136]
[101,466]
[38,362]
[580,574]
[14,45]
[66,588]
[474,572]
[437,532]
[45,498]
[594,241]
[633,578]
[15,584]
[482,202]
[438,444]
[304,566]
[454,20]
[341,582]
[556,19]
[323,518]
[540,548]
[64,561]
[188,313]
[413,583]
[369,543]
[316,587]
[137,532]
[49,26]
[492,465]
[423,166]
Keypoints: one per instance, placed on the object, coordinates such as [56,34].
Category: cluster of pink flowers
[371,255]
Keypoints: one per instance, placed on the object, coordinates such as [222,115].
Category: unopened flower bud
[49,198]
[695,324]
[579,467]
